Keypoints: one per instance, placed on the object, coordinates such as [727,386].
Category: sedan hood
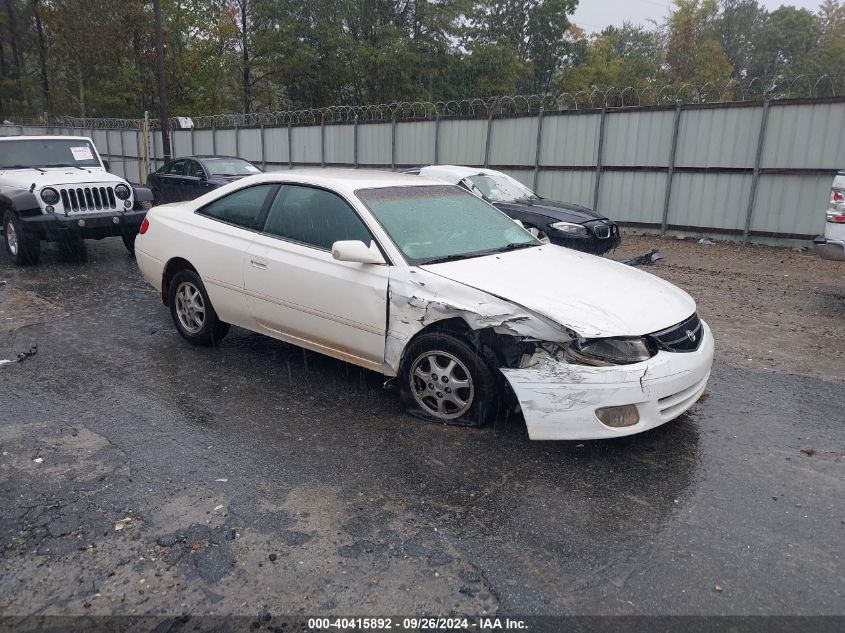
[559,211]
[592,296]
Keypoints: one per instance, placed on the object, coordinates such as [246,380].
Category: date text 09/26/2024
[417,624]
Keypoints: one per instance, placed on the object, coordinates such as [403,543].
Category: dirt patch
[770,308]
[20,308]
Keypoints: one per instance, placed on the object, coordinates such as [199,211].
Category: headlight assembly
[122,192]
[609,351]
[575,230]
[50,195]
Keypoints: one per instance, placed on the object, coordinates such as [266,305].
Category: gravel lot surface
[141,475]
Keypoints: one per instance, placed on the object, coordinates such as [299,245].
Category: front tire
[23,248]
[446,380]
[129,242]
[192,312]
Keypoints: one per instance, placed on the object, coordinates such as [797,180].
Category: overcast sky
[594,15]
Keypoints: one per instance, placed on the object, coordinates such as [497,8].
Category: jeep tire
[23,247]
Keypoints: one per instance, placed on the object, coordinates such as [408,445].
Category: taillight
[836,219]
[144,226]
[836,195]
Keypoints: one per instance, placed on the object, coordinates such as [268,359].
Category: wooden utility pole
[162,85]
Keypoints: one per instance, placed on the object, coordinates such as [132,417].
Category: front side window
[194,169]
[242,208]
[176,168]
[314,217]
[443,222]
[48,153]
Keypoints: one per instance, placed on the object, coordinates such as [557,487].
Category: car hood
[55,176]
[559,211]
[592,296]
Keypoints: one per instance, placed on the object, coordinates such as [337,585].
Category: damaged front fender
[419,298]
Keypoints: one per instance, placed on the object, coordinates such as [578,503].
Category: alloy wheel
[190,307]
[442,385]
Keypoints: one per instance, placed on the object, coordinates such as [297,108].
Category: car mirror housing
[357,251]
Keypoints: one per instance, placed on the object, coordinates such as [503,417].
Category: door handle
[259,262]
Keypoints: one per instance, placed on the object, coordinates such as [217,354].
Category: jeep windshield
[443,223]
[35,153]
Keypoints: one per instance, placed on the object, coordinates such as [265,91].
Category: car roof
[346,180]
[44,138]
[454,174]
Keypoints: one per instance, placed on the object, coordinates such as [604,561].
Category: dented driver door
[298,292]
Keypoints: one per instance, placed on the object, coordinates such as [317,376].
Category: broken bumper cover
[559,400]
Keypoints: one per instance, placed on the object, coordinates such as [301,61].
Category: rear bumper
[84,226]
[827,248]
[559,400]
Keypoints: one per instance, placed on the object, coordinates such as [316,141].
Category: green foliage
[255,55]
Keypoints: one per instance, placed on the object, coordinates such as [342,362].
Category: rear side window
[241,208]
[176,168]
[194,169]
[314,217]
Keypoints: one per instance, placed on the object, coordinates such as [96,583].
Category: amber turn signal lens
[618,417]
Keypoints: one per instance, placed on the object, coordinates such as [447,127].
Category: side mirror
[106,165]
[519,222]
[357,251]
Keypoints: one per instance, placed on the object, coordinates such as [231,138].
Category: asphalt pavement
[140,475]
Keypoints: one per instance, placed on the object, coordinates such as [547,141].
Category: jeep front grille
[88,198]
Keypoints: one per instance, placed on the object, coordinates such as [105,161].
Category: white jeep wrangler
[57,188]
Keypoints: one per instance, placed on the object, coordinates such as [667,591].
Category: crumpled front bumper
[559,400]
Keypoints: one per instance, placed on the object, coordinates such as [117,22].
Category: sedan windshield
[499,187]
[230,167]
[47,153]
[442,223]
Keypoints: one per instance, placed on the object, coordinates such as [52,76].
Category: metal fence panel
[568,186]
[203,141]
[415,143]
[276,149]
[638,138]
[181,140]
[723,137]
[306,144]
[340,144]
[374,141]
[226,144]
[791,204]
[806,136]
[462,142]
[513,141]
[709,200]
[630,196]
[249,145]
[570,139]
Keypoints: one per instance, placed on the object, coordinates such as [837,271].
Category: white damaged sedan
[428,283]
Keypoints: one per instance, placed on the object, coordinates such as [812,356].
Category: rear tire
[24,248]
[192,312]
[443,378]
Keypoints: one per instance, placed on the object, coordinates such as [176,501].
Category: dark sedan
[192,176]
[563,223]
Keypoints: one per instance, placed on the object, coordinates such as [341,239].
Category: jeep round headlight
[50,195]
[609,351]
[122,192]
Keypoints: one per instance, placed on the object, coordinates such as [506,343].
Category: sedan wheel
[192,311]
[443,386]
[450,379]
[190,307]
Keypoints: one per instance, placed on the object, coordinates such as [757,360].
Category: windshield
[442,223]
[499,187]
[47,153]
[230,167]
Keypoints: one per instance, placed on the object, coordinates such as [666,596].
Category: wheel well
[173,266]
[487,341]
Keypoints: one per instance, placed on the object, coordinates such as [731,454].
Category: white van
[831,245]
